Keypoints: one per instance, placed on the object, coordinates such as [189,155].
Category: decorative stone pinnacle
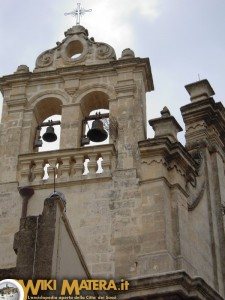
[199,90]
[127,53]
[22,69]
[78,12]
[165,112]
[165,126]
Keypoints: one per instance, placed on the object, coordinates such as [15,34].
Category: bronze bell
[97,133]
[49,136]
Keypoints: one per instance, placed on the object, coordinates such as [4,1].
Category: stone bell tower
[148,210]
[73,79]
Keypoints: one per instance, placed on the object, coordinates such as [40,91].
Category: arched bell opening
[94,101]
[47,107]
[95,123]
[47,113]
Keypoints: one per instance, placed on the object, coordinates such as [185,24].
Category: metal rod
[94,117]
[54,179]
[49,123]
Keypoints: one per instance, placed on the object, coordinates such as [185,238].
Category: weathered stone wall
[119,85]
[10,213]
[45,246]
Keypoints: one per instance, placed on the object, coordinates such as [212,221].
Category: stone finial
[166,126]
[199,90]
[165,112]
[127,53]
[22,69]
[78,29]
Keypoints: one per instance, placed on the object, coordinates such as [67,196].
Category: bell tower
[147,210]
[72,80]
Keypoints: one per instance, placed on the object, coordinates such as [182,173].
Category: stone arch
[94,96]
[90,98]
[94,100]
[48,103]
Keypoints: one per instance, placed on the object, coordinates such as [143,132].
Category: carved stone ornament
[45,59]
[22,69]
[105,51]
[78,29]
[127,53]
[76,48]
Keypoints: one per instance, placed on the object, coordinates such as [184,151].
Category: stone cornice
[137,62]
[167,286]
[172,186]
[201,116]
[16,77]
[16,80]
[206,109]
[173,155]
[79,70]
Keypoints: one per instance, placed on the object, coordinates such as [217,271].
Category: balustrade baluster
[79,165]
[25,172]
[106,163]
[92,164]
[52,165]
[65,168]
[38,170]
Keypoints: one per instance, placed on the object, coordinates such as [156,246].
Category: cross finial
[78,12]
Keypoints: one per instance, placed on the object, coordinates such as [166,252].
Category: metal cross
[78,12]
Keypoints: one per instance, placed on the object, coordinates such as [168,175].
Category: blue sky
[184,39]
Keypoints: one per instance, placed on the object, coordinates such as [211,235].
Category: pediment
[76,49]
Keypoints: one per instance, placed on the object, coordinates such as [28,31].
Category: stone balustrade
[66,165]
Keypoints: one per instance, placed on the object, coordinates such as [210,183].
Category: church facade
[147,210]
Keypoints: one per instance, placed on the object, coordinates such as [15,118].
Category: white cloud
[114,22]
[149,8]
[125,9]
[143,8]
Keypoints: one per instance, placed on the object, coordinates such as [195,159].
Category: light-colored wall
[10,213]
[67,259]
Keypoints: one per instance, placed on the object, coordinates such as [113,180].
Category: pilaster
[205,126]
[166,169]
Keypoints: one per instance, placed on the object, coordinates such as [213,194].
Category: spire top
[78,12]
